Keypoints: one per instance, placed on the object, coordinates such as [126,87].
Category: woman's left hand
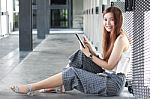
[86,51]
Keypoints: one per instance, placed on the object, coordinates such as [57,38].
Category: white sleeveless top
[123,64]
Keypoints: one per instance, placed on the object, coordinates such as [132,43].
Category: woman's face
[108,22]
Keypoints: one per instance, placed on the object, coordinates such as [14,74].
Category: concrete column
[90,20]
[94,23]
[0,21]
[42,18]
[69,12]
[48,15]
[100,27]
[25,25]
[85,22]
[97,28]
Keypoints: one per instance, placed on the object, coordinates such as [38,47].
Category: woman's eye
[112,19]
[105,19]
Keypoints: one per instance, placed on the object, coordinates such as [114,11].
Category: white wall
[77,13]
[6,19]
[0,20]
[10,13]
[93,23]
[3,17]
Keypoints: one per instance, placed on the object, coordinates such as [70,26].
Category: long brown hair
[109,38]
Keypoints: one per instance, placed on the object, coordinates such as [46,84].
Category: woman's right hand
[87,43]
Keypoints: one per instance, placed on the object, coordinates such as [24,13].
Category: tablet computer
[80,40]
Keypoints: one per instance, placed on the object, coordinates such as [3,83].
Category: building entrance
[59,18]
[60,13]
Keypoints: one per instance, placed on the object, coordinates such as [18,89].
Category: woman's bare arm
[119,46]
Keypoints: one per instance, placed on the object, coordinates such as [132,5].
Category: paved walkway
[48,57]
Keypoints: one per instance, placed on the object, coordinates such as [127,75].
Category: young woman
[84,71]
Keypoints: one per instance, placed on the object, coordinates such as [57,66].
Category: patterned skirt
[84,75]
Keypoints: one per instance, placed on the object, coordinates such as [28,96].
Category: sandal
[16,89]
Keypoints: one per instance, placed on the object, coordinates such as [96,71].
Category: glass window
[58,2]
[59,18]
[33,2]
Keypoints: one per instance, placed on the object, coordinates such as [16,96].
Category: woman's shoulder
[122,40]
[123,37]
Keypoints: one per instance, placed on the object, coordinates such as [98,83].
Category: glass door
[60,13]
[59,18]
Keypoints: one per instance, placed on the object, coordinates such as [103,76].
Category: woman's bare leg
[51,82]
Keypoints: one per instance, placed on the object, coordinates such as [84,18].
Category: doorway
[60,13]
[59,18]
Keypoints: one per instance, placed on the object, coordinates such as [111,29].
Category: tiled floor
[48,57]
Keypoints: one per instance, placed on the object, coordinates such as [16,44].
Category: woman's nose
[108,22]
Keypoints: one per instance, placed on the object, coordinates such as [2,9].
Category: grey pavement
[48,57]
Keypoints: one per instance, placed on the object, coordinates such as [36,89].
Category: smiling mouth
[108,27]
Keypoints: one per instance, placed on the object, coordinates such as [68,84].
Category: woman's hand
[86,51]
[87,43]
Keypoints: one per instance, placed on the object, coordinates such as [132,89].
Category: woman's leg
[51,82]
[81,61]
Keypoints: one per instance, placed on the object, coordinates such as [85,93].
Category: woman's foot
[53,90]
[22,89]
